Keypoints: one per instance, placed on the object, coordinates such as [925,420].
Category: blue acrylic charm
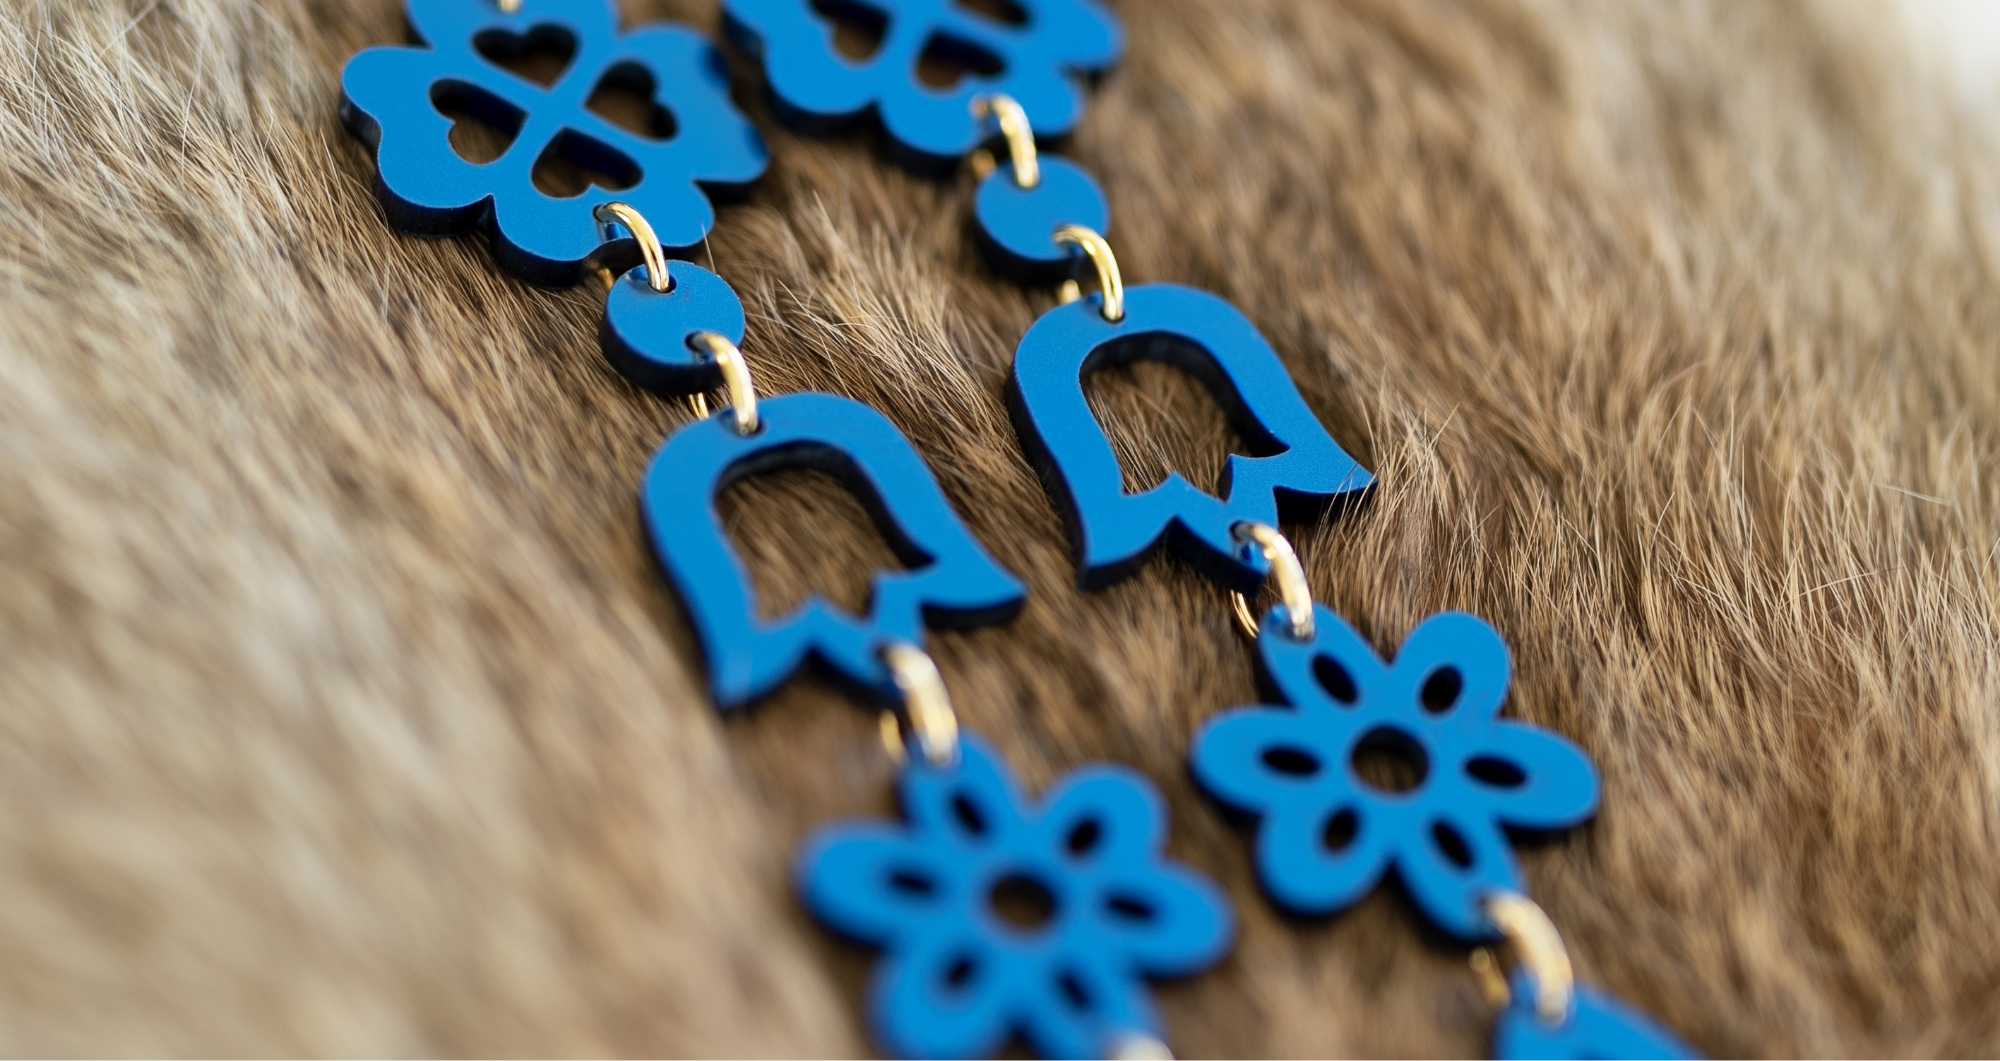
[818,90]
[1196,331]
[394,100]
[1016,226]
[1001,917]
[1326,834]
[951,579]
[645,332]
[1599,1026]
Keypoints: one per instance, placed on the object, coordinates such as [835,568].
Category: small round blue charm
[394,99]
[1115,532]
[645,332]
[1599,1026]
[950,581]
[1016,226]
[818,90]
[1327,834]
[1000,917]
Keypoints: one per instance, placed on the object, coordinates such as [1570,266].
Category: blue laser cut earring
[395,100]
[816,89]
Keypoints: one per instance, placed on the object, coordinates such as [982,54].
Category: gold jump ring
[508,7]
[925,703]
[736,374]
[1109,281]
[1539,948]
[1020,135]
[1293,588]
[642,231]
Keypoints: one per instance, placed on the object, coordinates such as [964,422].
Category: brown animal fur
[345,712]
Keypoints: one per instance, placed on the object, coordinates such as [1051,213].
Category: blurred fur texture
[346,713]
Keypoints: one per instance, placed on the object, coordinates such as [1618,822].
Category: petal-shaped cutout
[944,995]
[1102,814]
[1294,666]
[974,804]
[1463,643]
[1599,1027]
[1233,757]
[952,580]
[877,883]
[1080,1004]
[1558,786]
[1303,875]
[1449,862]
[1163,919]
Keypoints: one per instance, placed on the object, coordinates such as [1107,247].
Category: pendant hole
[1335,680]
[1290,761]
[1496,772]
[967,813]
[1166,406]
[948,60]
[1340,831]
[1022,901]
[958,975]
[1452,845]
[541,55]
[1002,12]
[838,562]
[574,161]
[1441,690]
[1389,760]
[1073,991]
[484,126]
[1084,838]
[624,97]
[912,883]
[1130,908]
[858,29]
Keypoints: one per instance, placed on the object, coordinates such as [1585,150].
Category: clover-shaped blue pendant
[999,917]
[1599,1026]
[395,98]
[1456,772]
[1033,58]
[1114,532]
[950,581]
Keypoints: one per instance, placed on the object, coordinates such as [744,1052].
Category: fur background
[345,712]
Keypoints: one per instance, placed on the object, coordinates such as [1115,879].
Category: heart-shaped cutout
[541,55]
[483,125]
[624,96]
[574,161]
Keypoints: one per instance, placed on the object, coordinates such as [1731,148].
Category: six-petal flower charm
[999,917]
[1456,773]
[1033,57]
[395,99]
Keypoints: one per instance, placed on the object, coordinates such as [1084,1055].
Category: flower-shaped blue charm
[1599,1026]
[1000,917]
[1378,765]
[395,99]
[1032,56]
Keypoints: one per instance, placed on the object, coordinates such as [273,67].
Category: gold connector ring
[1293,588]
[642,231]
[1110,283]
[735,373]
[926,704]
[508,7]
[1020,135]
[1539,948]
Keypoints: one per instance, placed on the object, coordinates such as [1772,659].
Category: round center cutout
[1389,760]
[1022,902]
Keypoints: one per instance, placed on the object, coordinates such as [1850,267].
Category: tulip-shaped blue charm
[396,100]
[950,581]
[999,917]
[1327,833]
[1114,531]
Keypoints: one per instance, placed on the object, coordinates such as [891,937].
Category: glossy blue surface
[958,978]
[645,332]
[1114,531]
[1016,226]
[951,580]
[390,98]
[1599,1027]
[1326,836]
[818,90]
